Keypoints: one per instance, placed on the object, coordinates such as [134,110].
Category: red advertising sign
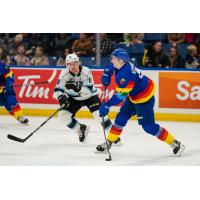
[43,93]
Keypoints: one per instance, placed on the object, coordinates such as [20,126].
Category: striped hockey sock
[165,136]
[114,133]
[16,111]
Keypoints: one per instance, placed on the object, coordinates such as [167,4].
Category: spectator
[20,58]
[34,40]
[7,37]
[39,58]
[116,37]
[61,42]
[61,60]
[190,38]
[3,56]
[133,38]
[198,49]
[2,42]
[192,60]
[14,43]
[92,36]
[176,38]
[26,40]
[173,60]
[154,56]
[82,46]
[106,45]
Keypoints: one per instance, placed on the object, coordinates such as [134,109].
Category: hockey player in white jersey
[75,89]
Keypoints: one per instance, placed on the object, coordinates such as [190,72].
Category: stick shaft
[104,132]
[12,137]
[27,84]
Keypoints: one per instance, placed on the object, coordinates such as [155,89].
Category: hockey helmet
[72,58]
[121,53]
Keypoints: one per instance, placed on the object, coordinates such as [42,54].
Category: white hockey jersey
[84,78]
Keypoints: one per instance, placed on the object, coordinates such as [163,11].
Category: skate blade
[180,152]
[118,144]
[24,124]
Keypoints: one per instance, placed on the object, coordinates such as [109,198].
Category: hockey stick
[38,83]
[12,137]
[27,84]
[104,132]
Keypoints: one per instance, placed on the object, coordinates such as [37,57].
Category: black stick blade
[108,159]
[12,137]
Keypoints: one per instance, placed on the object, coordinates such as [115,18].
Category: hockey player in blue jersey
[137,92]
[7,93]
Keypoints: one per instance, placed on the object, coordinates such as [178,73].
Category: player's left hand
[106,77]
[73,85]
[104,109]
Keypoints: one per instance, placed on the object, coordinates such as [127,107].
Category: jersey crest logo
[122,81]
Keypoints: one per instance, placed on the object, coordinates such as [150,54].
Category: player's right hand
[104,109]
[63,101]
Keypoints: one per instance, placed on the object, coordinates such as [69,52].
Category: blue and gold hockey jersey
[132,83]
[6,76]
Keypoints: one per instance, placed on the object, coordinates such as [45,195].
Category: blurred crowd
[38,49]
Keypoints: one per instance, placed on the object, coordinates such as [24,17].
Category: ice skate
[117,142]
[104,146]
[22,120]
[83,132]
[178,148]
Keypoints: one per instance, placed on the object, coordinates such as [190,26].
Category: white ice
[56,145]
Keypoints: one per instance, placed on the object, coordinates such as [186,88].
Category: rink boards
[177,92]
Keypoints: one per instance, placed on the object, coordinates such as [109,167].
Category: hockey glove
[73,85]
[9,88]
[106,78]
[63,101]
[104,109]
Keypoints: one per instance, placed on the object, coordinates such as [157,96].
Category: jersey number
[135,70]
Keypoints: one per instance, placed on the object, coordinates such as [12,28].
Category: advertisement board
[177,92]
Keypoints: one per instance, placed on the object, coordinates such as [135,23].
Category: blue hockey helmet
[121,54]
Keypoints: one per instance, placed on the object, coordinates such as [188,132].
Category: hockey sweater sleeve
[60,86]
[9,76]
[122,90]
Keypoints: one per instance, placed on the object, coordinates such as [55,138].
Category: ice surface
[54,144]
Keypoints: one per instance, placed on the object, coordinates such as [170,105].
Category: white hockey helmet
[71,58]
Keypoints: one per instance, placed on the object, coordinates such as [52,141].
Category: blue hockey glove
[104,109]
[8,86]
[106,77]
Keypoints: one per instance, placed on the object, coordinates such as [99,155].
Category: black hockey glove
[73,85]
[63,101]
